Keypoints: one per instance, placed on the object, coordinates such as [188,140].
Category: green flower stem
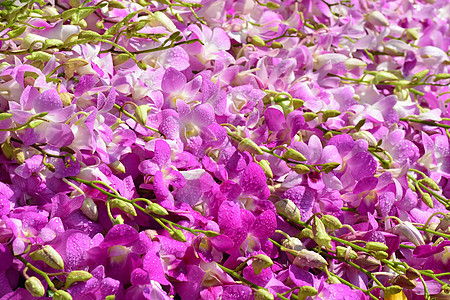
[249,283]
[40,272]
[424,122]
[121,109]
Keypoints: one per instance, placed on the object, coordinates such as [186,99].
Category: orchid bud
[265,165]
[297,103]
[412,33]
[110,297]
[156,209]
[332,279]
[382,76]
[178,235]
[441,76]
[321,236]
[160,19]
[307,258]
[89,34]
[353,63]
[272,5]
[381,255]
[328,135]
[100,25]
[301,169]
[263,294]
[276,45]
[412,273]
[294,155]
[293,244]
[257,41]
[50,256]
[309,116]
[250,146]
[5,116]
[89,209]
[61,295]
[35,123]
[117,167]
[377,18]
[16,32]
[430,183]
[39,55]
[331,222]
[366,136]
[305,233]
[367,262]
[123,205]
[346,252]
[404,282]
[289,209]
[35,287]
[426,198]
[210,233]
[292,31]
[76,276]
[120,59]
[141,113]
[376,246]
[443,224]
[18,155]
[392,290]
[420,75]
[328,167]
[410,232]
[50,43]
[116,4]
[331,113]
[261,262]
[66,98]
[306,291]
[82,23]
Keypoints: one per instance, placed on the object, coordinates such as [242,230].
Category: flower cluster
[227,149]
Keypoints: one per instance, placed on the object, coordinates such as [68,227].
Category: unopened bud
[123,205]
[35,123]
[367,262]
[50,256]
[306,291]
[82,23]
[305,233]
[179,18]
[346,253]
[441,76]
[392,290]
[100,25]
[430,183]
[76,276]
[426,198]
[250,146]
[376,246]
[276,45]
[142,114]
[321,236]
[412,273]
[309,116]
[293,244]
[289,209]
[410,232]
[353,63]
[366,136]
[307,258]
[404,282]
[35,287]
[257,41]
[331,113]
[382,76]
[331,222]
[412,33]
[272,5]
[263,294]
[116,4]
[265,165]
[328,135]
[420,75]
[178,235]
[18,155]
[294,155]
[117,167]
[8,149]
[66,98]
[292,31]
[118,220]
[61,295]
[156,209]
[261,262]
[39,55]
[50,43]
[333,279]
[297,103]
[120,59]
[328,167]
[377,18]
[301,169]
[381,255]
[89,209]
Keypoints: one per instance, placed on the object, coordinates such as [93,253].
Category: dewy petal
[173,81]
[48,101]
[343,142]
[362,165]
[121,234]
[264,225]
[253,181]
[162,153]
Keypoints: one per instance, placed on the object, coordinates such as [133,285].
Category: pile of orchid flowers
[226,149]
